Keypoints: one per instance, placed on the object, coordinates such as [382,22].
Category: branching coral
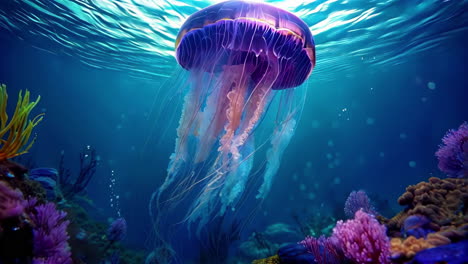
[363,239]
[71,186]
[14,135]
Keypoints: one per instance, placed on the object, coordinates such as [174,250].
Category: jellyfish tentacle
[235,99]
[259,97]
[214,120]
[280,139]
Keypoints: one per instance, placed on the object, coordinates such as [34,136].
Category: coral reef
[16,235]
[433,224]
[15,134]
[358,200]
[261,244]
[44,240]
[271,260]
[47,177]
[325,250]
[50,233]
[315,224]
[18,179]
[456,253]
[453,153]
[418,226]
[35,230]
[12,203]
[363,239]
[295,254]
[443,201]
[404,249]
[117,230]
[89,240]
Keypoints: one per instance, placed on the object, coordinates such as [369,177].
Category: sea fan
[358,200]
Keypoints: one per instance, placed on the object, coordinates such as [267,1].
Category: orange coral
[407,248]
[19,129]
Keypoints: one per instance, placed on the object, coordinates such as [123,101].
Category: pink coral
[11,201]
[363,239]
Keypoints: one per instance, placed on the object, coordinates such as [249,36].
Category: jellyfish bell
[258,35]
[238,56]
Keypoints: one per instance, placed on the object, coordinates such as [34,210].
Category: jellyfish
[240,58]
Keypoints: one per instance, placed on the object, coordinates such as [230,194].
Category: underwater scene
[233,132]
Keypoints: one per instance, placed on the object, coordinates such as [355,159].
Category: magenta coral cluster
[358,200]
[50,234]
[453,153]
[363,239]
[11,201]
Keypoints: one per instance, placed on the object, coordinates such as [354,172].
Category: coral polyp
[15,134]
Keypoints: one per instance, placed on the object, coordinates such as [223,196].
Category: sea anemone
[50,233]
[453,153]
[14,135]
[11,201]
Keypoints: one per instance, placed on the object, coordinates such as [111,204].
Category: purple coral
[363,239]
[453,153]
[325,250]
[117,230]
[358,200]
[50,234]
[11,201]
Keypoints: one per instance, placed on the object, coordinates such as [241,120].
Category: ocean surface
[391,78]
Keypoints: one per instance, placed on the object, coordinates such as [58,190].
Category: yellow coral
[14,135]
[271,260]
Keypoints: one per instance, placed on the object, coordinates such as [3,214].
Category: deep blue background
[113,113]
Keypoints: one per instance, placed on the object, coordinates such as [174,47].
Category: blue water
[391,78]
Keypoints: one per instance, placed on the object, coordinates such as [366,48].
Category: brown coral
[14,174]
[407,248]
[443,201]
